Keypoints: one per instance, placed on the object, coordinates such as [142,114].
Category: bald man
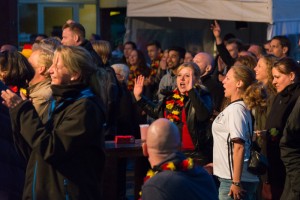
[182,182]
[205,63]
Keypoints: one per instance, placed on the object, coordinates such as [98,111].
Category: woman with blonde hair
[67,156]
[189,106]
[103,49]
[232,130]
[263,74]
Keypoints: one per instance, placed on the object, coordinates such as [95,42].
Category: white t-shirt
[236,120]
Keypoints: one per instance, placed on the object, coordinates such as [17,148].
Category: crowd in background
[63,97]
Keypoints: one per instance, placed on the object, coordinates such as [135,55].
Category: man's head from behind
[73,34]
[163,139]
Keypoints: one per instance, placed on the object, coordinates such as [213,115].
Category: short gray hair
[123,69]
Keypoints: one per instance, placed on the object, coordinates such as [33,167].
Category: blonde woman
[103,49]
[67,152]
[189,106]
[232,130]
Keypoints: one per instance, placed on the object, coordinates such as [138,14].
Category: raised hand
[191,81]
[216,29]
[10,98]
[138,87]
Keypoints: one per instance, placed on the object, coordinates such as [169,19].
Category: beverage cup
[143,131]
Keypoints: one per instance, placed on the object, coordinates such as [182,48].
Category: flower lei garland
[15,89]
[182,166]
[133,73]
[174,106]
[155,65]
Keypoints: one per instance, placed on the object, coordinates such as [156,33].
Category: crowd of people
[67,96]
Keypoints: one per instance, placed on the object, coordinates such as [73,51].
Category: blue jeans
[225,185]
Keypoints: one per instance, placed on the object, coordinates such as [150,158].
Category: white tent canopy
[282,15]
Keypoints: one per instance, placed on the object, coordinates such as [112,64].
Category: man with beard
[168,81]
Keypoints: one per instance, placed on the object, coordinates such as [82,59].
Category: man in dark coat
[74,35]
[171,166]
[12,165]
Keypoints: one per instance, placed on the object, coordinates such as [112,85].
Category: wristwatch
[236,183]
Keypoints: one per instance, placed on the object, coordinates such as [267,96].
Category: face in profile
[230,84]
[261,71]
[59,74]
[68,37]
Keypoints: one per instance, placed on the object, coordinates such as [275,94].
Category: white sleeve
[237,122]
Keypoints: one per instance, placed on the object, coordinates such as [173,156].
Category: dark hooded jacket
[109,90]
[193,184]
[12,164]
[67,157]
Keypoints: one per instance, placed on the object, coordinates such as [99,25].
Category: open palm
[138,87]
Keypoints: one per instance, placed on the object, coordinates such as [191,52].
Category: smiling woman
[189,106]
[286,73]
[67,152]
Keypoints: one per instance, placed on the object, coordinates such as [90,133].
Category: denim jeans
[225,185]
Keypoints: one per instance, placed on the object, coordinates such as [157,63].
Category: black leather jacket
[198,109]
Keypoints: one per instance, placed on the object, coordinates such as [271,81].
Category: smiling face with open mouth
[184,76]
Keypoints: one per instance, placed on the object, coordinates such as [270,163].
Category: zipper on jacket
[66,182]
[34,180]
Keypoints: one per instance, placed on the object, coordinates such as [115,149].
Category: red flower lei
[174,106]
[155,65]
[133,73]
[183,166]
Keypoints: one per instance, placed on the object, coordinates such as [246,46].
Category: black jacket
[290,152]
[198,109]
[12,164]
[193,184]
[216,91]
[67,157]
[96,58]
[109,90]
[225,55]
[281,108]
